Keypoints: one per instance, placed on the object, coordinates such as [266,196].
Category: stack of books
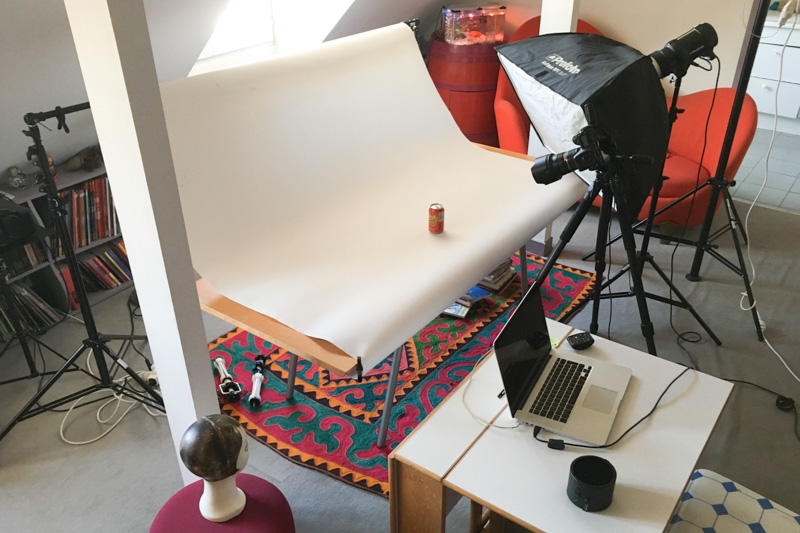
[495,281]
[499,278]
[461,307]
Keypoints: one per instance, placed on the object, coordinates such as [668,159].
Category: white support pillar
[116,58]
[559,16]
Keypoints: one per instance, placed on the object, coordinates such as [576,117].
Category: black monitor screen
[522,349]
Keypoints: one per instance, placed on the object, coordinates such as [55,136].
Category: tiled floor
[782,189]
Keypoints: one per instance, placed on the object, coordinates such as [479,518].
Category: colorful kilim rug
[332,422]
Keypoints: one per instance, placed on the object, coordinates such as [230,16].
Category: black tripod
[95,342]
[609,183]
[644,254]
[720,186]
[20,331]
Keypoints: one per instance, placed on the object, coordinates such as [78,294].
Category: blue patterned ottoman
[715,504]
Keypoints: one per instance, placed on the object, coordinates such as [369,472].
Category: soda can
[436,218]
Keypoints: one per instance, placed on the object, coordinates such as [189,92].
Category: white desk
[421,462]
[523,480]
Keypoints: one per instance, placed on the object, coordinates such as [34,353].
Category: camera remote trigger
[580,341]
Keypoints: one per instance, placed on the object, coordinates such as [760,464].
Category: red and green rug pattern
[332,422]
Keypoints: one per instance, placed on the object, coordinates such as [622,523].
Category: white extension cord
[791,7]
[786,12]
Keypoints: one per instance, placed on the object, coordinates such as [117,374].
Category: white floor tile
[791,202]
[775,180]
[785,154]
[770,197]
[789,168]
[787,140]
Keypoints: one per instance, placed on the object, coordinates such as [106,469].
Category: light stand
[566,81]
[646,257]
[720,186]
[95,342]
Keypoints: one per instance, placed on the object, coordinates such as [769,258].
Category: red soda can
[436,218]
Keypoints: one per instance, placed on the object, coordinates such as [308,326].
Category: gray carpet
[120,482]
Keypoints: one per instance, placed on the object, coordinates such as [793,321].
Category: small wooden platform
[318,351]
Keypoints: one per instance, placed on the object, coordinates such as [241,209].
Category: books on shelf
[23,258]
[103,267]
[90,209]
[33,312]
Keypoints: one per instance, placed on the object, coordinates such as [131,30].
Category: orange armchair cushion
[686,150]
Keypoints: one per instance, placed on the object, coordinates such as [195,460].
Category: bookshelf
[37,271]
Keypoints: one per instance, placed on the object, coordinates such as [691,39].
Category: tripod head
[595,151]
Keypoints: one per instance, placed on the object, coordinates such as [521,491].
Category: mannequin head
[214,447]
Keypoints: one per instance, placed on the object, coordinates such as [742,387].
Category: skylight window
[244,33]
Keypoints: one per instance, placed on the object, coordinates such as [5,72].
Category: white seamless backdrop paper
[305,183]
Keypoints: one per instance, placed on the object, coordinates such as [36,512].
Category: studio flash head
[679,53]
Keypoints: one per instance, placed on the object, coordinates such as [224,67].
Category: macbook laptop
[561,391]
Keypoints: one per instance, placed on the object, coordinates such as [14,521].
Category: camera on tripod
[589,155]
[675,58]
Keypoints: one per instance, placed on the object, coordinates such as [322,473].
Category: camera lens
[549,168]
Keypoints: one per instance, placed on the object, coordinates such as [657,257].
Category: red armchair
[513,126]
[686,146]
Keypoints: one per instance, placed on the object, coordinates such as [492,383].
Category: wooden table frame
[318,351]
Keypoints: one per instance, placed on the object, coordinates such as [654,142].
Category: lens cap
[591,483]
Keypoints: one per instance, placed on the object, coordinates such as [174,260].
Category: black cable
[132,308]
[789,404]
[695,336]
[685,336]
[559,444]
[784,403]
[608,266]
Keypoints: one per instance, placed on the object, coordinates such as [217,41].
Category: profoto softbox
[561,79]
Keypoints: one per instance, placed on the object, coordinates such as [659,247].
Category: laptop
[561,391]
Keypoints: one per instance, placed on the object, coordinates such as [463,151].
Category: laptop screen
[522,349]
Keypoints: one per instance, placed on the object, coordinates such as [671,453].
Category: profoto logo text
[562,63]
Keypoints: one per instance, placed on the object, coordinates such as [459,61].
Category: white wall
[40,66]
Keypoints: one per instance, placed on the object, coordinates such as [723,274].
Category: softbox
[562,79]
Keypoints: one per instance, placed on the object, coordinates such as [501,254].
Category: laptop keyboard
[561,390]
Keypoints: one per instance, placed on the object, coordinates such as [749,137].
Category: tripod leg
[46,387]
[638,288]
[743,269]
[567,234]
[134,376]
[600,257]
[624,219]
[726,195]
[686,305]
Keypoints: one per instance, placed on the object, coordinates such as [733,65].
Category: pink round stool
[266,510]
